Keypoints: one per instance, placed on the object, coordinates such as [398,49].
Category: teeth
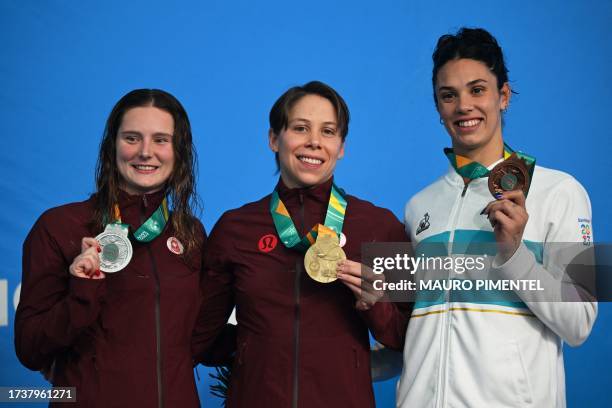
[310,160]
[143,167]
[469,123]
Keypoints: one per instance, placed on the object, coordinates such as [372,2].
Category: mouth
[468,125]
[310,161]
[144,168]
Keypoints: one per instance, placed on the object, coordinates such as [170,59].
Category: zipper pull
[464,189]
[144,200]
[301,195]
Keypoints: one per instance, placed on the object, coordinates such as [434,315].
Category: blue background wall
[63,64]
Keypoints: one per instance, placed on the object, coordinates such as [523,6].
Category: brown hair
[180,187]
[279,114]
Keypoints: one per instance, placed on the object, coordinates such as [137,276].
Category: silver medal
[116,249]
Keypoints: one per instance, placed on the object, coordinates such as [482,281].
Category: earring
[441,121]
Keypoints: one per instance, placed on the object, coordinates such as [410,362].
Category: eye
[161,139]
[329,131]
[478,90]
[447,96]
[300,128]
[131,139]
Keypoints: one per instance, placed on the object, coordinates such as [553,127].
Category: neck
[485,155]
[291,184]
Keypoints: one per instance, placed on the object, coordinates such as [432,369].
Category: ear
[505,94]
[273,141]
[341,152]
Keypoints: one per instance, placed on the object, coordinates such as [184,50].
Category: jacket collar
[318,193]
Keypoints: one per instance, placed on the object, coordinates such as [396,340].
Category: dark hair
[473,43]
[279,114]
[180,187]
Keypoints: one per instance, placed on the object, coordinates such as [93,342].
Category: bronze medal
[321,259]
[511,174]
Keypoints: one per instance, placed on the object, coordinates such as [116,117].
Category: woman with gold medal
[110,285]
[289,263]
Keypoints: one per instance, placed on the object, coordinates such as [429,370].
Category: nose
[314,140]
[145,148]
[465,105]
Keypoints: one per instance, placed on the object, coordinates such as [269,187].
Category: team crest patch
[585,230]
[175,246]
[423,224]
[267,243]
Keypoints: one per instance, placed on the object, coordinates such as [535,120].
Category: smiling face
[311,143]
[470,104]
[145,154]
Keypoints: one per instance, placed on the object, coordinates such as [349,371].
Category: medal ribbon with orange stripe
[288,234]
[470,169]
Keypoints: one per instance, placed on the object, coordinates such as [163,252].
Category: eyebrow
[474,82]
[307,121]
[134,132]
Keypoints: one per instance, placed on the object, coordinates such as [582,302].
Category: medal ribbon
[470,169]
[151,228]
[288,234]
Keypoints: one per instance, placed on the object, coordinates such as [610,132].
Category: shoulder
[77,214]
[358,205]
[378,220]
[432,192]
[550,183]
[245,213]
[62,226]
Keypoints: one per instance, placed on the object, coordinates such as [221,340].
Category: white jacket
[502,354]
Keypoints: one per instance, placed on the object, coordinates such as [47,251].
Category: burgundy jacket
[123,341]
[300,343]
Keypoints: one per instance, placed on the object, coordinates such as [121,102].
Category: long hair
[180,187]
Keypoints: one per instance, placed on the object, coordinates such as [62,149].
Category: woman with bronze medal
[289,263]
[110,285]
[492,348]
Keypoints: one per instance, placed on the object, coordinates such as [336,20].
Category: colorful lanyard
[151,228]
[472,170]
[288,234]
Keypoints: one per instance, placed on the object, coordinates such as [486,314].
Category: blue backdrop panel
[64,64]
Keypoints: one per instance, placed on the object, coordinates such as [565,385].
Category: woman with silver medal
[289,264]
[110,285]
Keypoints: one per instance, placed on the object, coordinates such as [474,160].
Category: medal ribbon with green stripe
[470,169]
[288,234]
[151,228]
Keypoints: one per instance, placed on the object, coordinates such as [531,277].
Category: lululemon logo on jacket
[267,243]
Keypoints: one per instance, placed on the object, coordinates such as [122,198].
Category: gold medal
[321,259]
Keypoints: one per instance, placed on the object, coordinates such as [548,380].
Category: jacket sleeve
[572,313]
[213,341]
[54,306]
[388,321]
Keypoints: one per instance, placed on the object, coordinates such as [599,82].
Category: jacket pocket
[520,376]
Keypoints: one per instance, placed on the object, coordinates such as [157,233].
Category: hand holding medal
[508,217]
[359,279]
[87,263]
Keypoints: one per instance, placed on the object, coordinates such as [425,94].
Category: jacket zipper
[443,374]
[296,321]
[160,388]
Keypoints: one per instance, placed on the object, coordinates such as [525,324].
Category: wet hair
[472,43]
[180,186]
[279,114]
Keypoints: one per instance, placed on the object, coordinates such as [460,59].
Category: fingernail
[97,272]
[99,249]
[483,211]
[498,195]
